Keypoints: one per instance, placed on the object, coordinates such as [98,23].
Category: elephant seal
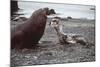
[29,33]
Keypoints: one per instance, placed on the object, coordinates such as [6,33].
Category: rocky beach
[51,52]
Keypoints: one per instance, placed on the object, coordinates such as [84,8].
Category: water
[63,10]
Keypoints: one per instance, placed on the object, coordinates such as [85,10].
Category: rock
[20,18]
[14,6]
[69,17]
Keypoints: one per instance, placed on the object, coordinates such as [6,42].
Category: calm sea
[63,10]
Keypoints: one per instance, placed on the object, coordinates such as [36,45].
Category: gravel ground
[51,52]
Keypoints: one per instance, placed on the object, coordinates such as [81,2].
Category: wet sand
[51,52]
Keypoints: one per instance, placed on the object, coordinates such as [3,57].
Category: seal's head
[55,22]
[49,11]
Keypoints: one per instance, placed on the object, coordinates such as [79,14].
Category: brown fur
[28,34]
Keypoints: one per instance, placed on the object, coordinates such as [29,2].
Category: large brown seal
[28,34]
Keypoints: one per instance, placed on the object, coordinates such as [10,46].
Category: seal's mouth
[54,22]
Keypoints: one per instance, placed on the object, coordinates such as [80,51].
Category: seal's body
[28,34]
[64,37]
